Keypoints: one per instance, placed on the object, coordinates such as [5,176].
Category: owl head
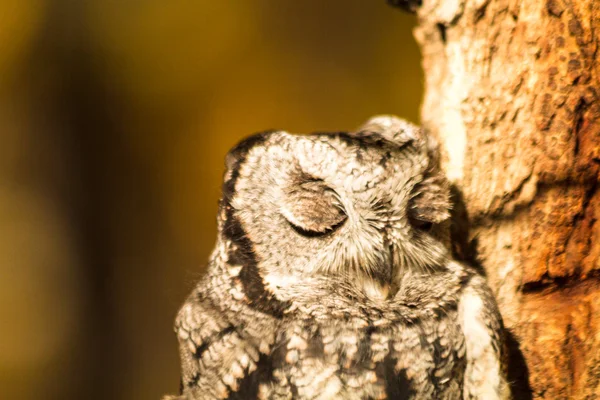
[365,207]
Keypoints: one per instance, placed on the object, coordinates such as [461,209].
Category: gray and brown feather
[331,277]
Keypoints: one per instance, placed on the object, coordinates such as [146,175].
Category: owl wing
[218,361]
[482,326]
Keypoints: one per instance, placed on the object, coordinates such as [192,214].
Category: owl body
[332,279]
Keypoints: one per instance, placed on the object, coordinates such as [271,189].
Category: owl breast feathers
[331,277]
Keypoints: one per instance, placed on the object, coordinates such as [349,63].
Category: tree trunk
[512,92]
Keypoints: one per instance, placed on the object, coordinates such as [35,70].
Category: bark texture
[512,92]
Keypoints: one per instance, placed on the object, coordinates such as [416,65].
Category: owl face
[359,206]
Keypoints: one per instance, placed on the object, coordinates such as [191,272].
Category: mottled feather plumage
[332,279]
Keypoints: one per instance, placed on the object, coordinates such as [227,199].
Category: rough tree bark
[512,91]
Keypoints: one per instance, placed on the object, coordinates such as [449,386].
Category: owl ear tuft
[390,129]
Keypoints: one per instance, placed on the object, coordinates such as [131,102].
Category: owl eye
[429,203]
[420,224]
[312,208]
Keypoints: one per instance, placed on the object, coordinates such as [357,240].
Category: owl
[332,278]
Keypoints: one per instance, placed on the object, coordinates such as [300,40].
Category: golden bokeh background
[115,117]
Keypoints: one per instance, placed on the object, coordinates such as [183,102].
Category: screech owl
[331,277]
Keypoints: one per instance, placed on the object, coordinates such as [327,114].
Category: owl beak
[383,271]
[376,291]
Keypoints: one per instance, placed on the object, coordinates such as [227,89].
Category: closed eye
[420,224]
[314,233]
[312,208]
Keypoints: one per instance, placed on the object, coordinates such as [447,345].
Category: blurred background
[115,117]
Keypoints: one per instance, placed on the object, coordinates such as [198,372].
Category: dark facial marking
[242,249]
[236,156]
